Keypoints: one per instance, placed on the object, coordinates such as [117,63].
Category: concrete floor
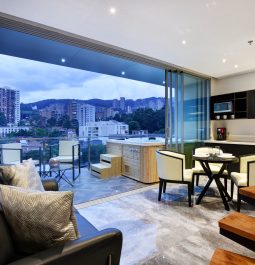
[87,187]
[166,232]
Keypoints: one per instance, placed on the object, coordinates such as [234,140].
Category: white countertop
[228,142]
[137,142]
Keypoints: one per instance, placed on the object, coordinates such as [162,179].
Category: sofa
[92,248]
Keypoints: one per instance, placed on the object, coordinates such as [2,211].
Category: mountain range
[95,102]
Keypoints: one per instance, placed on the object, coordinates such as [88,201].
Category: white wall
[236,127]
[233,84]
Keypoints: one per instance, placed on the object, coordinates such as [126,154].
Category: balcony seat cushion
[38,220]
[23,175]
[66,159]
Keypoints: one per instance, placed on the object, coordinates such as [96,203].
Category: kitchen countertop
[138,142]
[228,142]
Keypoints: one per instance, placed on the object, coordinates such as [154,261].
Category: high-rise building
[10,104]
[122,103]
[82,112]
[115,104]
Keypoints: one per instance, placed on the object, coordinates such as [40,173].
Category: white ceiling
[213,30]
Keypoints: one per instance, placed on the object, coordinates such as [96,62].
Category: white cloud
[38,81]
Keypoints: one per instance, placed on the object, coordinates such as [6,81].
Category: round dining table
[205,163]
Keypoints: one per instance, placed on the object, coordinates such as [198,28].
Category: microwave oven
[223,107]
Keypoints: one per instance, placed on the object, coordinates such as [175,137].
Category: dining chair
[171,169]
[245,177]
[215,167]
[69,152]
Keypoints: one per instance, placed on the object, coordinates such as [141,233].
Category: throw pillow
[23,175]
[38,220]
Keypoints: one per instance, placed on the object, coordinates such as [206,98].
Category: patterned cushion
[38,220]
[22,175]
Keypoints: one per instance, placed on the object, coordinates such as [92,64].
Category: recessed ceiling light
[184,42]
[63,60]
[224,60]
[236,65]
[123,73]
[112,10]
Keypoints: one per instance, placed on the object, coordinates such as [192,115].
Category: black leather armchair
[92,248]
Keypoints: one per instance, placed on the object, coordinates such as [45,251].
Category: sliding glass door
[187,115]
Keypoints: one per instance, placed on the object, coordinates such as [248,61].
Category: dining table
[224,161]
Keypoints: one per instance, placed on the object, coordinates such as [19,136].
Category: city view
[74,103]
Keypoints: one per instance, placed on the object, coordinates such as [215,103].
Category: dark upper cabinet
[251,104]
[243,104]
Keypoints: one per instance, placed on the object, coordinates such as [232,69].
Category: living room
[199,53]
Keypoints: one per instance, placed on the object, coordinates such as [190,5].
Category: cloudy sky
[38,81]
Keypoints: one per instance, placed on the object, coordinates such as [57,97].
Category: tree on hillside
[52,122]
[134,125]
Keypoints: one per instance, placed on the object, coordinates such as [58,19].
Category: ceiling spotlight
[250,42]
[123,73]
[236,65]
[63,60]
[112,10]
[224,60]
[184,42]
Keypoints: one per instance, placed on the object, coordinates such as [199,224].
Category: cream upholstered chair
[215,167]
[246,176]
[11,154]
[69,152]
[171,168]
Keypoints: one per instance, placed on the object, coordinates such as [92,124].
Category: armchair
[69,152]
[171,168]
[244,178]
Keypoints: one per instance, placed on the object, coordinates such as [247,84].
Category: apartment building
[10,104]
[103,128]
[84,113]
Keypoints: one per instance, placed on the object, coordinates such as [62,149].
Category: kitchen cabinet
[243,105]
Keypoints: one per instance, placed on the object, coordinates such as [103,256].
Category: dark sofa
[92,248]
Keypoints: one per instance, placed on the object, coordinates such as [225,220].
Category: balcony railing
[90,148]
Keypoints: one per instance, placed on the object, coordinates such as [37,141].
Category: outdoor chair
[244,178]
[69,152]
[215,167]
[171,168]
[11,154]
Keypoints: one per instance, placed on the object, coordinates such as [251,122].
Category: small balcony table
[205,163]
[59,171]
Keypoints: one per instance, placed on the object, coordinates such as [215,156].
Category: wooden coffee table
[246,194]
